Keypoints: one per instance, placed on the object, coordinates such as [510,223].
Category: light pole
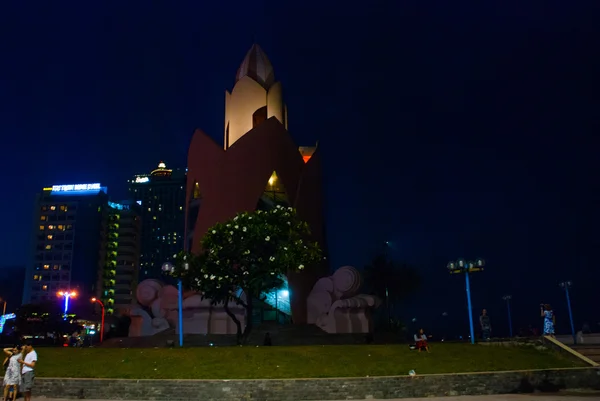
[169,268]
[507,298]
[460,266]
[566,285]
[102,325]
[386,246]
[66,295]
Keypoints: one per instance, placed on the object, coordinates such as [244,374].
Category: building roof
[257,66]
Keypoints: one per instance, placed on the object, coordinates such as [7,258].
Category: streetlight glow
[66,295]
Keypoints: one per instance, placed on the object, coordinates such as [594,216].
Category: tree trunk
[238,324]
[249,310]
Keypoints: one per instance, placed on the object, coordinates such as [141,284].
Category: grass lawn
[288,362]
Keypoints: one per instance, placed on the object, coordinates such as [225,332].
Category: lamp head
[93,299]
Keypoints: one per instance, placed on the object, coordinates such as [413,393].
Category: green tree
[391,281]
[245,257]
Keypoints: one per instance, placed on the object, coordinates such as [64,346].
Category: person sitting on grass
[421,340]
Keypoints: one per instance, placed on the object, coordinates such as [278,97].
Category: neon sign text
[76,187]
[141,180]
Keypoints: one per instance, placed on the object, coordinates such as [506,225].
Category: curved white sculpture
[334,306]
[199,316]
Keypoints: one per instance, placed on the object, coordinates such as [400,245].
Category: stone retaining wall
[322,389]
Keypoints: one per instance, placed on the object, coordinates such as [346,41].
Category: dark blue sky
[450,130]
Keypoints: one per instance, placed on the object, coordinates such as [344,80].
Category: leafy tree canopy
[249,253]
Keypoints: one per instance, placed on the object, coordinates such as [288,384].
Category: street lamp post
[102,324]
[460,266]
[507,298]
[386,246]
[169,268]
[566,285]
[66,295]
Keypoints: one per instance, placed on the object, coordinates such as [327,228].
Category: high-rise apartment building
[68,239]
[161,196]
[118,279]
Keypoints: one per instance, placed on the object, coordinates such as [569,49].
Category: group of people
[486,327]
[546,313]
[20,367]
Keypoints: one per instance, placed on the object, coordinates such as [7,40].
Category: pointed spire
[257,66]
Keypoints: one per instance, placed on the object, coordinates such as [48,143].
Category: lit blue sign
[118,206]
[76,187]
[4,318]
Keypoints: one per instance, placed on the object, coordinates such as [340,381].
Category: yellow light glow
[273,178]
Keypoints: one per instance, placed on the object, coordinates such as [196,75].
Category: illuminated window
[43,218]
[55,267]
[41,228]
[63,208]
[50,236]
[52,207]
[46,267]
[61,227]
[149,209]
[45,288]
[154,217]
[44,208]
[69,227]
[36,277]
[48,247]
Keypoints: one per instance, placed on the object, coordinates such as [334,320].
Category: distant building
[68,239]
[118,279]
[161,196]
[11,290]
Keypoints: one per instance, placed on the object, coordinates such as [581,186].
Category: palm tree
[391,281]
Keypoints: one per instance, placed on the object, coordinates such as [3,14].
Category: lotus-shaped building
[258,166]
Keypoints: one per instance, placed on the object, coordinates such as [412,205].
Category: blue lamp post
[169,268]
[507,298]
[67,295]
[566,285]
[460,266]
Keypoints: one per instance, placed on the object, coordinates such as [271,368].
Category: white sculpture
[199,316]
[334,306]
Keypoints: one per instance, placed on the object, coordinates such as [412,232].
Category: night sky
[449,130]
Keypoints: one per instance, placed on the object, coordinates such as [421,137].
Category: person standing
[549,320]
[12,377]
[28,370]
[486,326]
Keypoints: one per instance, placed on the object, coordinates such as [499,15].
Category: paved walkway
[511,397]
